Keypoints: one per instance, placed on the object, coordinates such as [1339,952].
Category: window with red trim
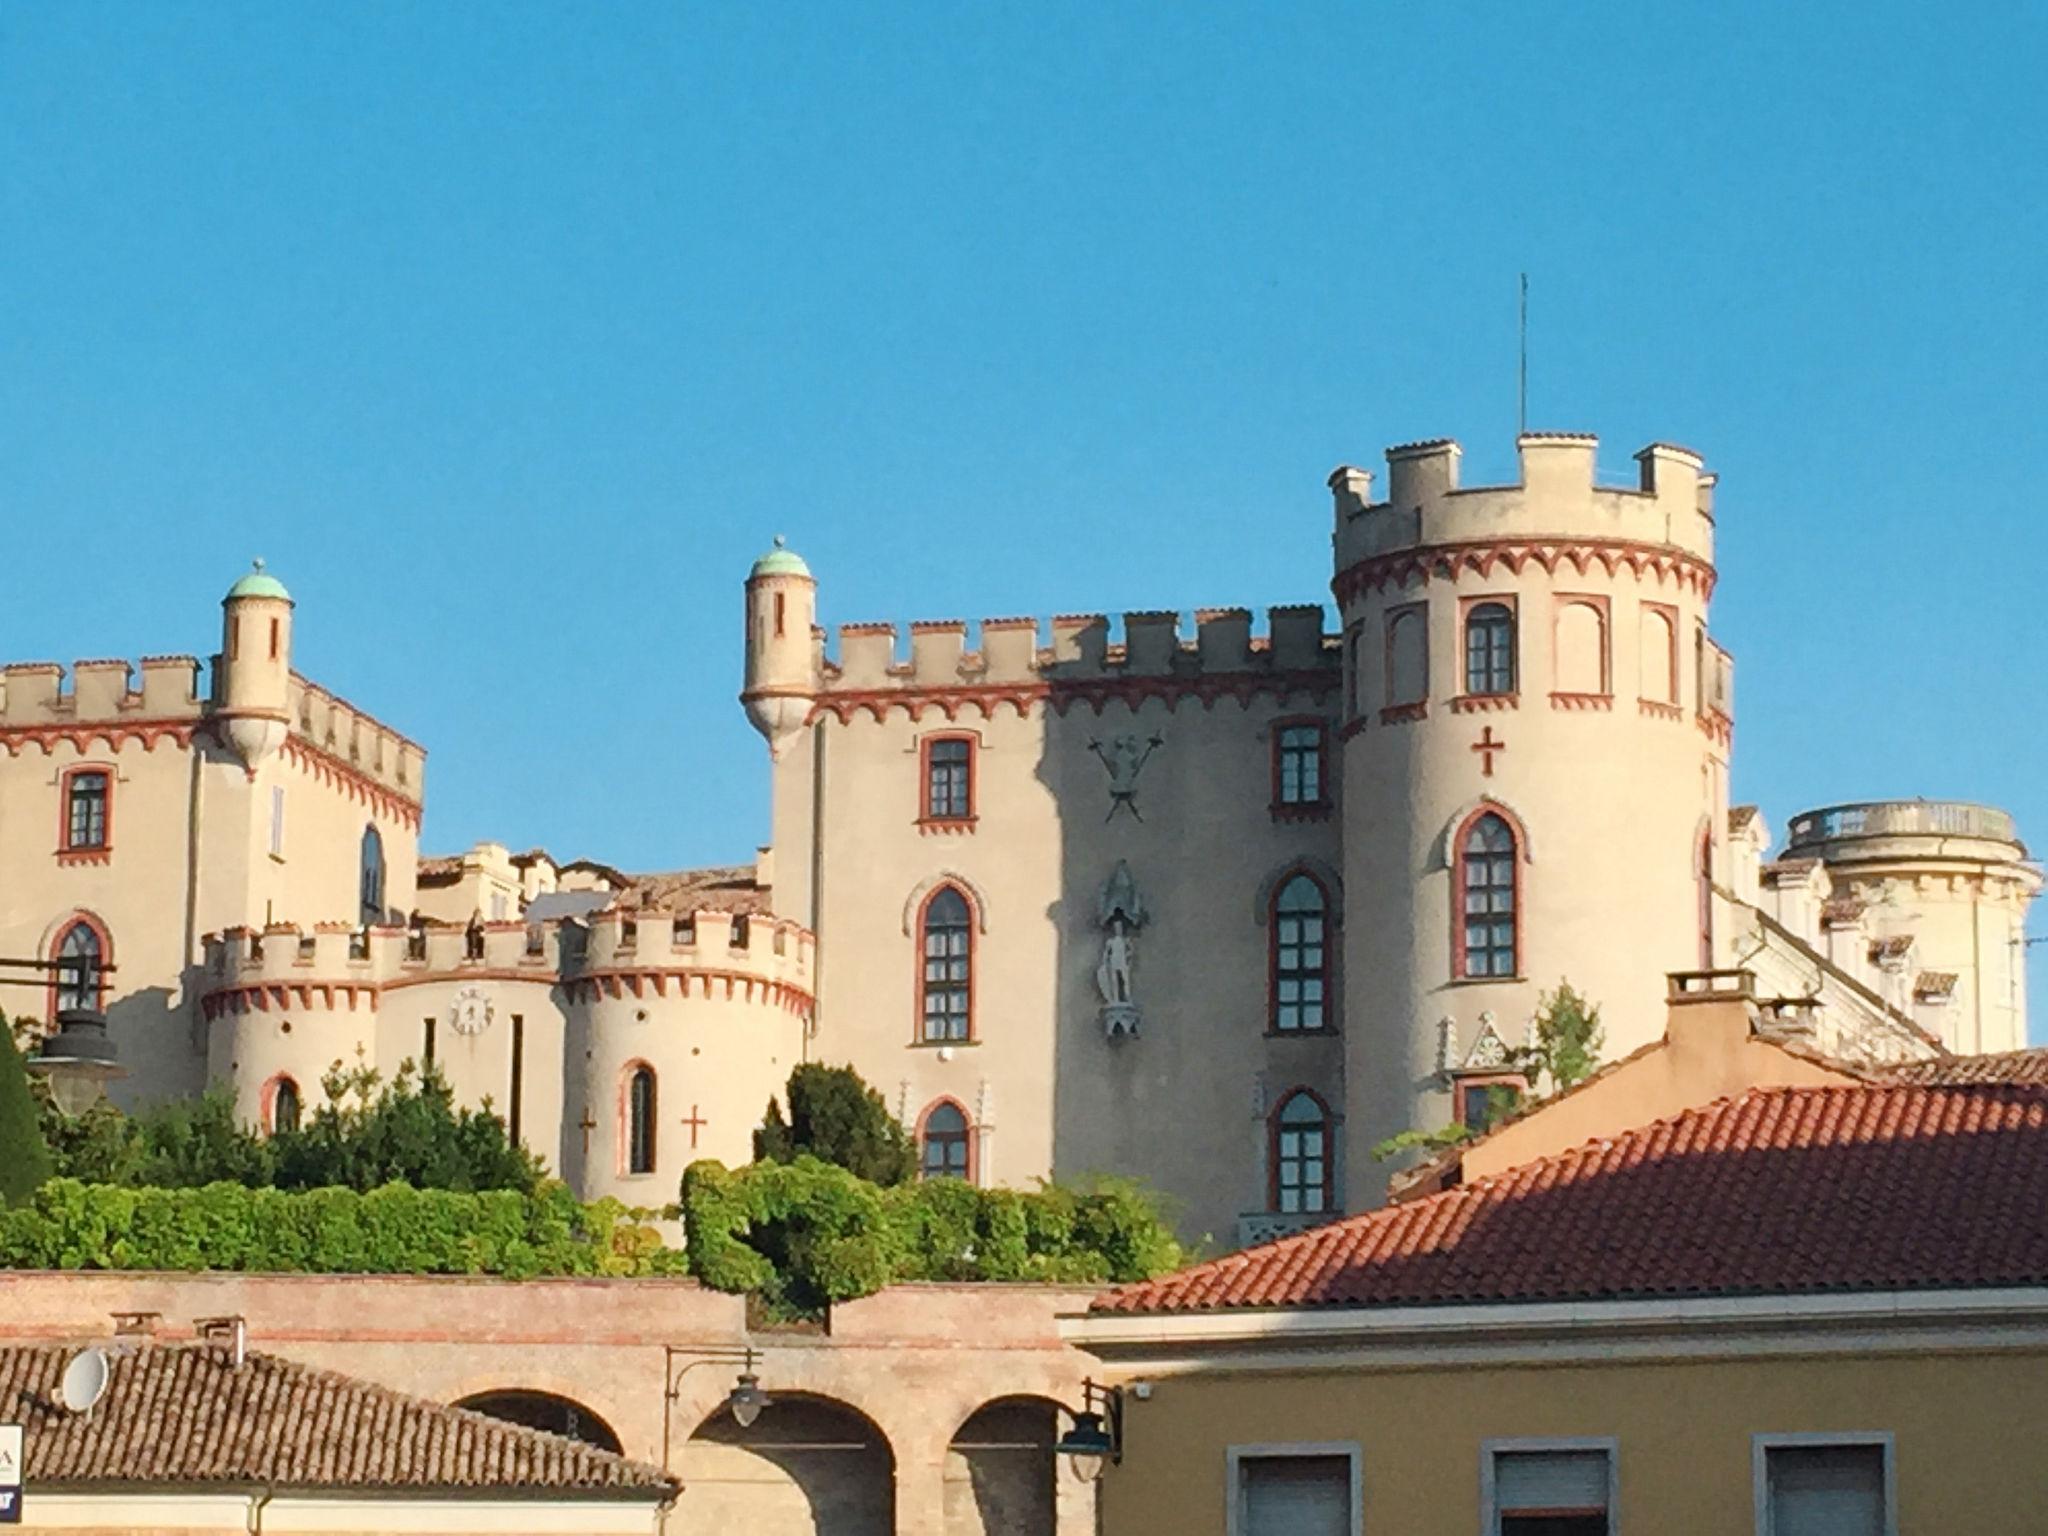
[81,956]
[1300,766]
[1489,649]
[1301,1156]
[946,937]
[943,1151]
[88,808]
[948,787]
[1489,876]
[284,1106]
[1300,957]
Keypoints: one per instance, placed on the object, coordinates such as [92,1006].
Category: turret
[253,699]
[782,650]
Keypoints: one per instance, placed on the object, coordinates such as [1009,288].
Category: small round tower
[782,649]
[1945,888]
[1534,758]
[254,697]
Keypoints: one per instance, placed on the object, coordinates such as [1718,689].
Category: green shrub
[24,1155]
[836,1117]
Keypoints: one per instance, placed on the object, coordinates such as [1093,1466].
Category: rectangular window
[1294,1491]
[85,818]
[1298,765]
[427,1042]
[512,1104]
[1825,1488]
[277,821]
[948,779]
[1483,1104]
[1546,1492]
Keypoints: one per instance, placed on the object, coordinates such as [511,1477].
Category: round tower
[1534,763]
[254,697]
[1945,888]
[782,653]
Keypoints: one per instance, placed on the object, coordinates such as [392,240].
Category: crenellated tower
[782,645]
[1535,736]
[254,700]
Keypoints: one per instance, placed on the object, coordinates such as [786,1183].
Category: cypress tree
[24,1155]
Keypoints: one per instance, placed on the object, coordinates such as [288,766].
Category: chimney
[232,1330]
[136,1326]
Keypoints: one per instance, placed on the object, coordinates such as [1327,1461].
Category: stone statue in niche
[1121,911]
[1125,758]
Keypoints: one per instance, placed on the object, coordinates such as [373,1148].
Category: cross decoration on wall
[1487,746]
[586,1125]
[695,1123]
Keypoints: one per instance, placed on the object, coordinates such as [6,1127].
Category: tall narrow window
[284,1107]
[1825,1490]
[781,601]
[948,779]
[427,1041]
[942,1144]
[275,632]
[86,793]
[1301,1156]
[948,978]
[1486,859]
[1550,1493]
[517,1091]
[1706,882]
[80,957]
[277,821]
[1298,762]
[1300,957]
[1490,649]
[640,1121]
[371,869]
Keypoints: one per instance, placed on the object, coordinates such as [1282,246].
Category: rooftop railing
[1903,818]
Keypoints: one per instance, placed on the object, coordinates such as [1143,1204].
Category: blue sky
[510,333]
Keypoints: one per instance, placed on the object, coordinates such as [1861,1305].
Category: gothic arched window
[946,989]
[1490,649]
[942,1142]
[284,1106]
[1300,958]
[81,956]
[1490,889]
[640,1120]
[372,869]
[1302,1182]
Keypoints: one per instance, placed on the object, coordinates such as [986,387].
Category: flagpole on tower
[1522,390]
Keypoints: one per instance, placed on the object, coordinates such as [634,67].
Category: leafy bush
[806,1233]
[395,1229]
[24,1156]
[836,1117]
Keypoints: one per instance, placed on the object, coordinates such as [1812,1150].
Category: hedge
[395,1230]
[804,1234]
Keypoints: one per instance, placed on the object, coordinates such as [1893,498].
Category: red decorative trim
[1063,694]
[1669,613]
[1657,709]
[1401,714]
[927,822]
[267,1100]
[589,986]
[1350,728]
[1329,1127]
[85,856]
[1599,701]
[973,960]
[1478,557]
[114,733]
[328,769]
[1478,812]
[89,853]
[1603,613]
[967,1123]
[1319,808]
[92,921]
[1463,702]
[1716,727]
[1485,703]
[1329,947]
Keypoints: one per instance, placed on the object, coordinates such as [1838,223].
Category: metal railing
[1903,818]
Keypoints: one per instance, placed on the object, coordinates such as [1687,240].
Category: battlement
[1557,496]
[34,693]
[1075,646]
[361,741]
[620,940]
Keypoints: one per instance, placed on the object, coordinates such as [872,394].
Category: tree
[837,1118]
[24,1156]
[370,1133]
[1568,1038]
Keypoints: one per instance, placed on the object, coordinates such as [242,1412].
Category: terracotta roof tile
[185,1413]
[1779,1191]
[2002,1067]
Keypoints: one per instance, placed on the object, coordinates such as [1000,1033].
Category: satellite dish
[85,1380]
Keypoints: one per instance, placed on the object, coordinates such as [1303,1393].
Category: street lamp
[1097,1438]
[745,1401]
[78,1061]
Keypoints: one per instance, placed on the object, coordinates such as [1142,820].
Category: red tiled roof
[185,1413]
[1779,1191]
[1948,1071]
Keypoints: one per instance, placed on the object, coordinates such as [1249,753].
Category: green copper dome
[780,561]
[259,583]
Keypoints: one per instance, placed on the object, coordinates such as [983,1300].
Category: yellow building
[1801,1311]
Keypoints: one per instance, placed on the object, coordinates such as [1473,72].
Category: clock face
[470,1013]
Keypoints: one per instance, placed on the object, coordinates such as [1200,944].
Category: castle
[1222,910]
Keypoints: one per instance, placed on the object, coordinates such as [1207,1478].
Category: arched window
[372,867]
[1300,957]
[640,1121]
[1490,649]
[946,931]
[1301,1155]
[284,1106]
[81,957]
[1489,884]
[943,1143]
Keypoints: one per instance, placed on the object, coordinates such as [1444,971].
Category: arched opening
[372,876]
[808,1466]
[1001,1475]
[1301,1175]
[281,1114]
[82,953]
[946,982]
[640,1120]
[1489,895]
[1298,958]
[546,1410]
[945,1143]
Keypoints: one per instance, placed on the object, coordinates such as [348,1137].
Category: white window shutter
[1550,1480]
[1827,1490]
[1297,1495]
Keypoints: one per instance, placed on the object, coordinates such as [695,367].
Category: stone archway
[545,1410]
[809,1466]
[1001,1474]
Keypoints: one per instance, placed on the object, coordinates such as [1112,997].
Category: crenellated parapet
[104,702]
[1085,658]
[1556,516]
[355,751]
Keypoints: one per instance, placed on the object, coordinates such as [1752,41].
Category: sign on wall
[10,1474]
